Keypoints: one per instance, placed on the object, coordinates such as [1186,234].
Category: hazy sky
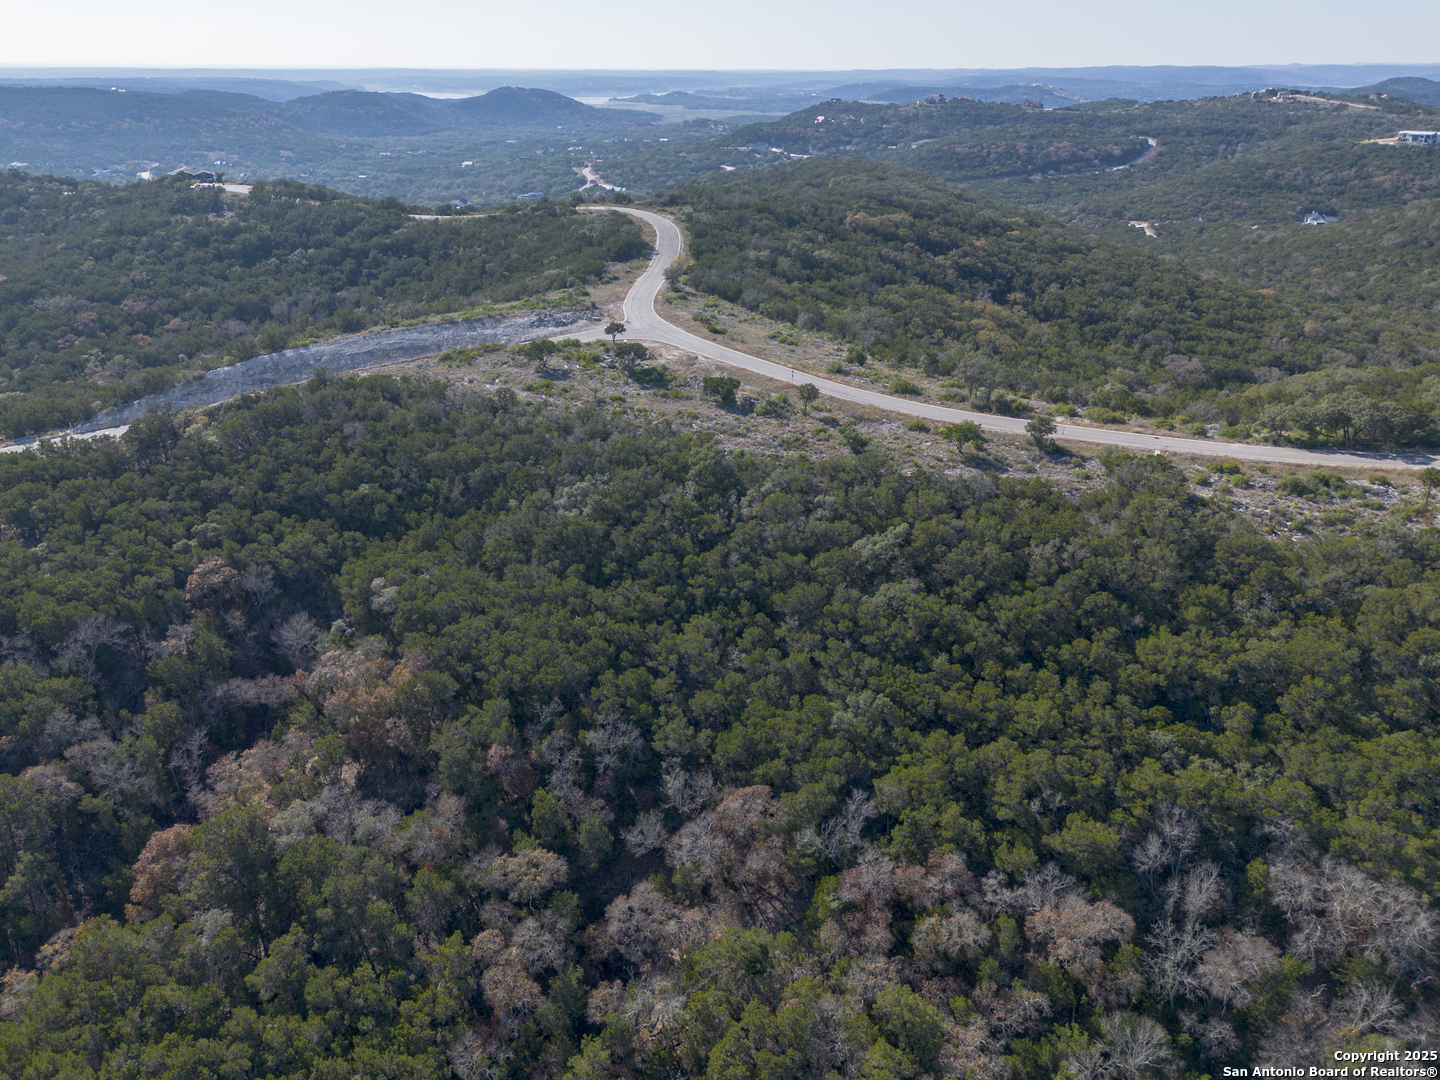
[729,34]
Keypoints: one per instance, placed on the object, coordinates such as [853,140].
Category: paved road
[644,324]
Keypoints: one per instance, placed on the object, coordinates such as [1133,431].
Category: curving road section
[642,322]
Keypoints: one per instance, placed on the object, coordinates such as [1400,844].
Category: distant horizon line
[98,69]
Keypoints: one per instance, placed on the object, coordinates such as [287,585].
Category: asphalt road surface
[642,323]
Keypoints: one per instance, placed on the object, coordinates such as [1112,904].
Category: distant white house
[1419,138]
[1317,218]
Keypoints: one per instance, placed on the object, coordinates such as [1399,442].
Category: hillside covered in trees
[111,293]
[409,146]
[919,274]
[372,727]
[1221,158]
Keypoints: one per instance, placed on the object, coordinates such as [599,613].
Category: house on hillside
[1317,218]
[199,176]
[1418,138]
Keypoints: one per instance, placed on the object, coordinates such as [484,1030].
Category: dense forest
[373,727]
[917,273]
[111,293]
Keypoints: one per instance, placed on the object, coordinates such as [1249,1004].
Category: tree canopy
[111,293]
[372,726]
[996,297]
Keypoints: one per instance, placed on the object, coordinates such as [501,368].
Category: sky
[729,35]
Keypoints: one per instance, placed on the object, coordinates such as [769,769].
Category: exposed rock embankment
[345,354]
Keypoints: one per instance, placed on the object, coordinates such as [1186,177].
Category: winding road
[643,323]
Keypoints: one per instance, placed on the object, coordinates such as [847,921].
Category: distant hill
[507,106]
[1420,91]
[269,89]
[758,101]
[1052,97]
[487,148]
[81,107]
[364,114]
[353,113]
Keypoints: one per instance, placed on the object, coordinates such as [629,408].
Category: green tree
[1429,479]
[631,353]
[967,432]
[614,328]
[540,350]
[720,387]
[1041,431]
[809,394]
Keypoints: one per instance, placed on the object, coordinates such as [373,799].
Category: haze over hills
[361,141]
[270,89]
[1140,82]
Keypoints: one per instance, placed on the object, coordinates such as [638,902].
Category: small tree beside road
[963,433]
[1042,431]
[615,329]
[809,394]
[721,387]
[1429,478]
[540,350]
[630,353]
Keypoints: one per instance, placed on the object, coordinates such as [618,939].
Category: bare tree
[187,762]
[81,651]
[1197,895]
[479,1055]
[115,770]
[1237,960]
[1217,1037]
[1137,1045]
[527,875]
[298,638]
[1332,908]
[1370,1008]
[512,768]
[616,745]
[941,942]
[512,994]
[1179,939]
[1075,930]
[1176,949]
[259,581]
[647,834]
[1042,888]
[642,923]
[1169,843]
[841,835]
[63,730]
[689,792]
[546,715]
[539,943]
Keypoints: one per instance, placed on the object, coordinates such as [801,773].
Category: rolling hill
[1411,88]
[918,274]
